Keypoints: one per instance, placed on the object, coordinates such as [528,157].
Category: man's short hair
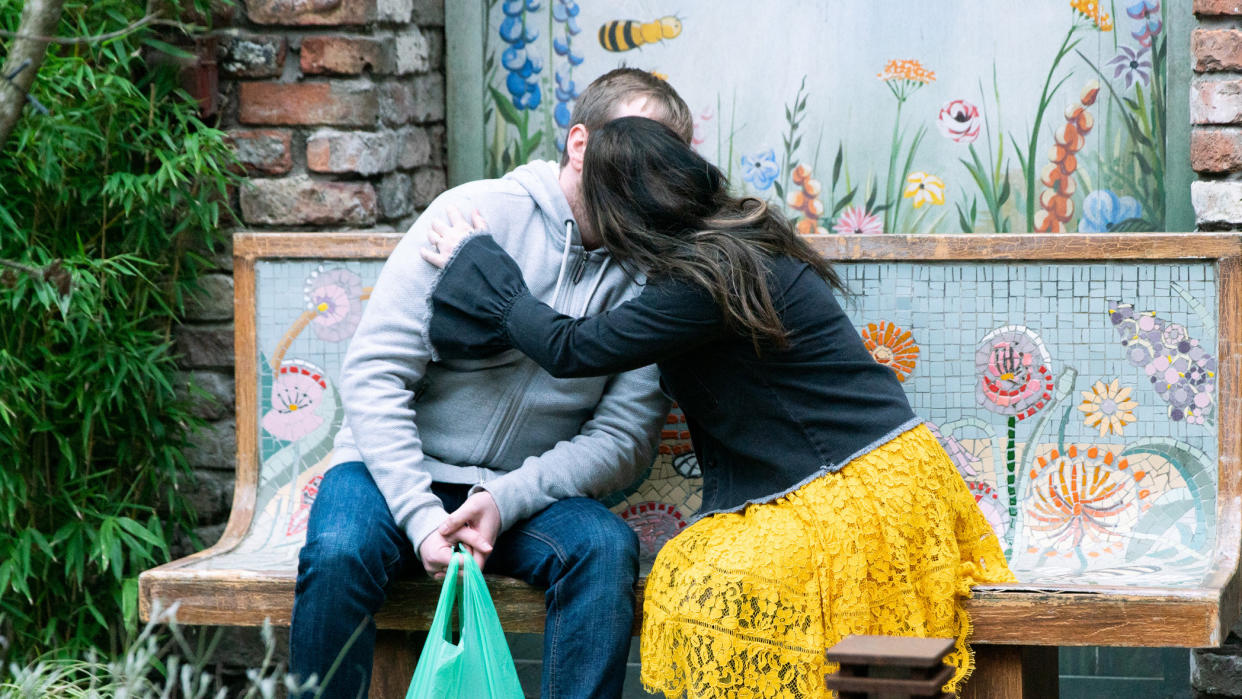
[597,105]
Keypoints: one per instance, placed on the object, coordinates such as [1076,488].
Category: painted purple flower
[1133,65]
[1148,23]
[1015,375]
[296,393]
[335,296]
[1181,372]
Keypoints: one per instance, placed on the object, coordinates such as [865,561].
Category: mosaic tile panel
[1078,402]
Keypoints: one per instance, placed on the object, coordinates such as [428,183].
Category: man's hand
[476,524]
[436,552]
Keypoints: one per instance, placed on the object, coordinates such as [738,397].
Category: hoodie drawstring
[560,277]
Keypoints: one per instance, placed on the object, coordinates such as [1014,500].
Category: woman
[828,508]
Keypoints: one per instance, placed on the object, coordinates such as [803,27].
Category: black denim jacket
[762,423]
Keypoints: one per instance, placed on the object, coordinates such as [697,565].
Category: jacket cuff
[422,524]
[512,499]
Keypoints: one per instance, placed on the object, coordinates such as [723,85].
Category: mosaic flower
[1015,377]
[992,506]
[300,516]
[967,463]
[1148,22]
[675,442]
[336,298]
[1132,65]
[1083,500]
[760,169]
[654,523]
[296,393]
[891,346]
[1102,210]
[1108,407]
[1183,374]
[960,120]
[924,188]
[856,220]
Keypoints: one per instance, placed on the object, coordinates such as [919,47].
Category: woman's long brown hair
[660,206]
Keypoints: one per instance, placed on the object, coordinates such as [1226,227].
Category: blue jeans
[584,555]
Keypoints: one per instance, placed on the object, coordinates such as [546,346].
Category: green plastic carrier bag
[479,665]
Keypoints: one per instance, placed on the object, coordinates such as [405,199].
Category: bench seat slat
[1001,614]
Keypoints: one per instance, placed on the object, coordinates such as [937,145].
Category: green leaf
[167,48]
[836,164]
[1004,194]
[139,531]
[507,111]
[843,202]
[961,221]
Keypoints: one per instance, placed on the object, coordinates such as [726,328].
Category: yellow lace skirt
[743,605]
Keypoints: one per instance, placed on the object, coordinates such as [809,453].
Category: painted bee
[625,34]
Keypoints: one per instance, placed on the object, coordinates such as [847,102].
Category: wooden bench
[1127,539]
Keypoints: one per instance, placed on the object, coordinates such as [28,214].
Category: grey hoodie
[502,424]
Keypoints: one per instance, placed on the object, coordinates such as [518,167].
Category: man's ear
[575,145]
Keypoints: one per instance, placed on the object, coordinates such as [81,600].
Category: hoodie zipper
[513,409]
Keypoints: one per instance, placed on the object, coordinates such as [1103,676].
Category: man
[515,455]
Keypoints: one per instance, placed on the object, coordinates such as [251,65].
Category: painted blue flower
[513,59]
[760,169]
[531,99]
[532,5]
[565,91]
[511,29]
[562,115]
[1102,210]
[1149,22]
[516,86]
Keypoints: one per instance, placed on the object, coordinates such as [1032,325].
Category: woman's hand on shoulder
[445,236]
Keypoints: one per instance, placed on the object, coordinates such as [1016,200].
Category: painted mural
[1078,402]
[861,118]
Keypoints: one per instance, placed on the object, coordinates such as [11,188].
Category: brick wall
[1216,155]
[336,109]
[1216,114]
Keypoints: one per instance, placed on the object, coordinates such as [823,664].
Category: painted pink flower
[296,393]
[1015,377]
[336,298]
[700,125]
[960,121]
[855,219]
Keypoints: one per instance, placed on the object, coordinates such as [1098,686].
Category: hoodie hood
[542,180]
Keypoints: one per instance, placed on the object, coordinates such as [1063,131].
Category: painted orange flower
[1090,11]
[908,69]
[891,346]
